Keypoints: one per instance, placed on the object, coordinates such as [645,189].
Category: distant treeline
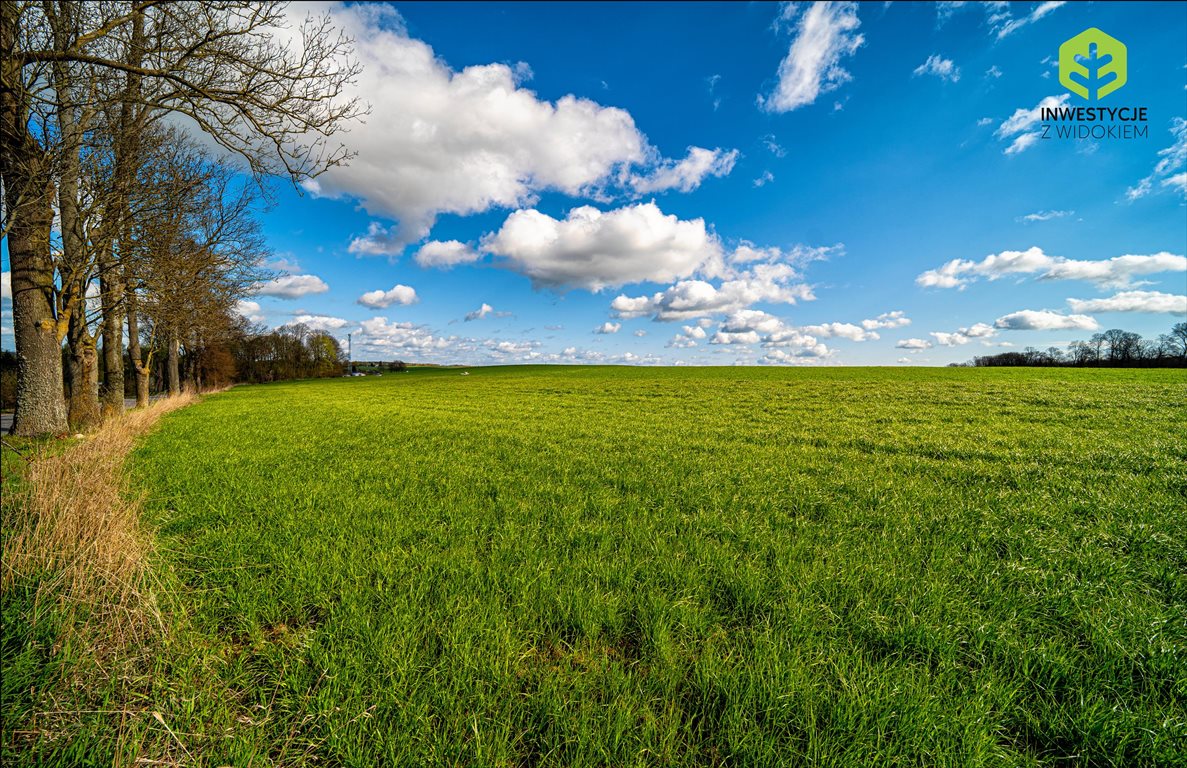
[239,353]
[1115,348]
[255,355]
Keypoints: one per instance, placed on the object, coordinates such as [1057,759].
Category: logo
[1092,64]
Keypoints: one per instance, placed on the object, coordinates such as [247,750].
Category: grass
[620,566]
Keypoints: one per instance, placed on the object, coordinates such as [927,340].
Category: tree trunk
[141,367]
[171,364]
[111,276]
[111,291]
[28,199]
[84,376]
[40,407]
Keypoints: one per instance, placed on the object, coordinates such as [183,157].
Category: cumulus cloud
[318,322]
[379,299]
[841,331]
[293,286]
[448,253]
[687,174]
[1134,301]
[1118,271]
[748,275]
[766,178]
[1169,170]
[1044,320]
[1019,128]
[244,308]
[379,334]
[825,33]
[443,140]
[608,327]
[6,286]
[752,326]
[595,250]
[895,319]
[937,65]
[687,299]
[949,339]
[1045,216]
[914,344]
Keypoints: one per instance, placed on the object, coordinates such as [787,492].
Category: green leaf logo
[1092,64]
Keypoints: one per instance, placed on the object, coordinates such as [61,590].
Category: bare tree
[233,69]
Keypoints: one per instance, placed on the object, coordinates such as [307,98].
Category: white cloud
[318,322]
[6,286]
[1018,127]
[791,357]
[993,72]
[1118,271]
[984,121]
[448,253]
[949,339]
[978,331]
[480,313]
[937,65]
[595,250]
[687,174]
[748,275]
[1134,301]
[773,146]
[640,333]
[379,334]
[1044,320]
[964,335]
[895,319]
[998,14]
[1168,171]
[751,326]
[914,344]
[293,286]
[608,327]
[440,140]
[1045,216]
[825,34]
[1021,143]
[689,299]
[1040,10]
[244,308]
[379,299]
[841,331]
[766,178]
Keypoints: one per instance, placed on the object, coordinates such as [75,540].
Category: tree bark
[28,201]
[111,283]
[140,367]
[84,376]
[111,291]
[40,407]
[171,364]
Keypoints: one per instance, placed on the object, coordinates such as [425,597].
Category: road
[6,418]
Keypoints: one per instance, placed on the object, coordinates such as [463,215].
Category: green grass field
[622,566]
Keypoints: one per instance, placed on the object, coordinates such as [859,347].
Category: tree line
[130,241]
[1113,348]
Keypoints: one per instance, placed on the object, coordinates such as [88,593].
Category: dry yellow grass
[79,527]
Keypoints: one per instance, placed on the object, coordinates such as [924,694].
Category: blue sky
[737,183]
